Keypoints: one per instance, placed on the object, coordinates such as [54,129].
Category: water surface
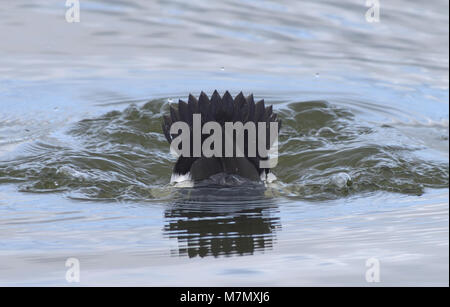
[363,169]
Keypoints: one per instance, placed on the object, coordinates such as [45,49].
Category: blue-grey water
[363,169]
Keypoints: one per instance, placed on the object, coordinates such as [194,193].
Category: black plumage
[219,109]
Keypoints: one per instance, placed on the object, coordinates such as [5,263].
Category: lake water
[363,173]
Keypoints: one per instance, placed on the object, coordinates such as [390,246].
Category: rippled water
[363,169]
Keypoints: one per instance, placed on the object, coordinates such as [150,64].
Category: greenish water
[363,167]
[122,155]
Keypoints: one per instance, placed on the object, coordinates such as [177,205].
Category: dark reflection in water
[206,223]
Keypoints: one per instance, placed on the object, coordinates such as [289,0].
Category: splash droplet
[341,180]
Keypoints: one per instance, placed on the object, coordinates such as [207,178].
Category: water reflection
[208,224]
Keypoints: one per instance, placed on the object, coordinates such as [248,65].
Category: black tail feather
[220,109]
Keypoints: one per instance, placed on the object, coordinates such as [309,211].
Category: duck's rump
[204,168]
